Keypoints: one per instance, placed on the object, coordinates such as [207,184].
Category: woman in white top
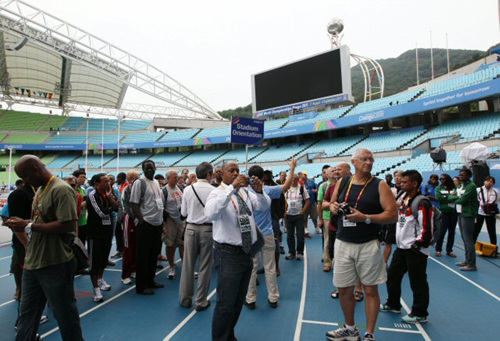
[488,197]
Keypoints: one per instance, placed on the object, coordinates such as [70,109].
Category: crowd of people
[221,220]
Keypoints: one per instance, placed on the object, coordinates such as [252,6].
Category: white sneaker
[300,256]
[97,295]
[196,274]
[127,281]
[103,285]
[318,230]
[171,272]
[132,275]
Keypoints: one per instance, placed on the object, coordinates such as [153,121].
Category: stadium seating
[142,137]
[280,153]
[333,147]
[54,122]
[322,116]
[96,124]
[392,140]
[182,134]
[274,124]
[106,138]
[74,124]
[459,82]
[135,125]
[67,139]
[19,120]
[62,160]
[240,154]
[167,159]
[199,156]
[27,138]
[2,136]
[127,161]
[93,161]
[213,132]
[378,104]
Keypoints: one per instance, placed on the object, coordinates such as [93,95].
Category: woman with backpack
[448,215]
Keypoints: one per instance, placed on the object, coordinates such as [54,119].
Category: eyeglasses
[367,158]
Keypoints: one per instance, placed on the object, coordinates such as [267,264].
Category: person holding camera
[362,203]
[413,237]
[488,197]
[231,209]
[297,201]
[173,226]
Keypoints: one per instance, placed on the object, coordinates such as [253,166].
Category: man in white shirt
[297,200]
[197,240]
[231,208]
[488,197]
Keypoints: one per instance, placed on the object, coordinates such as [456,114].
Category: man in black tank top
[357,249]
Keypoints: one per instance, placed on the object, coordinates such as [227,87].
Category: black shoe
[250,306]
[156,285]
[257,282]
[159,266]
[111,263]
[282,250]
[278,273]
[146,292]
[199,308]
[260,271]
[273,305]
[290,256]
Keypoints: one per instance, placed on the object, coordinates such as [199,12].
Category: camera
[250,180]
[344,208]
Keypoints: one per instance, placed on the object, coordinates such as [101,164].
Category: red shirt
[328,197]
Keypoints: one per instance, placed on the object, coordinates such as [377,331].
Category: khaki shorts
[312,211]
[355,262]
[174,235]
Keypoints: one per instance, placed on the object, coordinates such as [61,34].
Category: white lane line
[186,320]
[8,302]
[298,328]
[333,324]
[6,275]
[5,243]
[114,270]
[107,301]
[8,257]
[467,279]
[418,325]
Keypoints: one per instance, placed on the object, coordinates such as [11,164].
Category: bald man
[50,263]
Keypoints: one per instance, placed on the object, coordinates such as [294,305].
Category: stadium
[48,63]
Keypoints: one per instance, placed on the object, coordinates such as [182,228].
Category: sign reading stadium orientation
[247,130]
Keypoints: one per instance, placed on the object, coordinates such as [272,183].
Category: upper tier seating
[108,138]
[127,161]
[216,131]
[61,161]
[67,139]
[27,138]
[240,154]
[74,123]
[182,134]
[135,125]
[54,122]
[382,103]
[93,161]
[280,153]
[322,116]
[274,124]
[142,137]
[334,146]
[20,120]
[389,141]
[163,160]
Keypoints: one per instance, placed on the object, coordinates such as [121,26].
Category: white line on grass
[467,279]
[418,325]
[52,331]
[298,328]
[186,320]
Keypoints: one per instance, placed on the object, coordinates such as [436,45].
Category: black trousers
[415,263]
[148,248]
[332,235]
[490,226]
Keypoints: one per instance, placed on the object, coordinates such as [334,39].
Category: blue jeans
[448,224]
[234,268]
[467,231]
[54,284]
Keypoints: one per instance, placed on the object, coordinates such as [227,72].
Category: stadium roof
[46,61]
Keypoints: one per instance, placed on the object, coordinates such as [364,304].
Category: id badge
[347,223]
[401,221]
[244,221]
[106,221]
[451,205]
[293,204]
[159,203]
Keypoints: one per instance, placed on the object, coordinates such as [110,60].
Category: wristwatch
[368,220]
[27,229]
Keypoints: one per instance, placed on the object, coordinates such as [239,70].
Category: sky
[213,47]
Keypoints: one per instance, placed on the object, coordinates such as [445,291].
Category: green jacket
[468,200]
[444,200]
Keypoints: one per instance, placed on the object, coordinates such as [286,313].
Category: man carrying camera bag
[363,203]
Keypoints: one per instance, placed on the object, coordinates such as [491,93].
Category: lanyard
[154,193]
[296,193]
[37,198]
[175,193]
[232,201]
[360,193]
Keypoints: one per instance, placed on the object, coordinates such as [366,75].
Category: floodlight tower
[373,74]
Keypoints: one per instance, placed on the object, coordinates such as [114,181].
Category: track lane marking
[298,328]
